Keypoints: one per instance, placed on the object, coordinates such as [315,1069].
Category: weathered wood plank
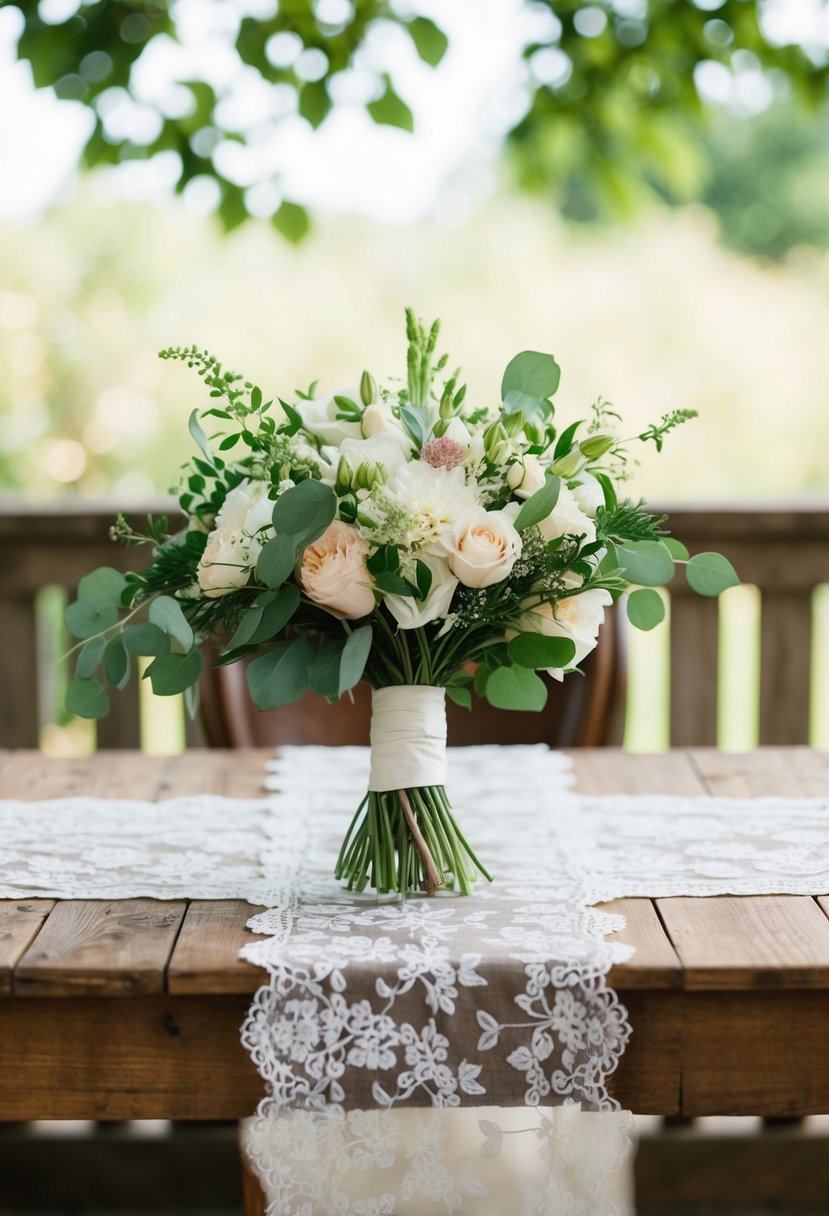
[124,774]
[610,771]
[206,955]
[233,774]
[749,942]
[755,1053]
[785,671]
[20,922]
[648,1078]
[150,1057]
[19,722]
[694,649]
[655,963]
[784,772]
[111,948]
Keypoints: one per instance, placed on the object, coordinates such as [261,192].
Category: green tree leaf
[539,505]
[390,109]
[291,220]
[280,676]
[645,609]
[86,698]
[146,639]
[516,687]
[354,657]
[646,562]
[172,673]
[535,650]
[710,574]
[166,613]
[430,41]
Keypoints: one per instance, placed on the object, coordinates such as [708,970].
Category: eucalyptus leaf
[166,613]
[198,434]
[393,584]
[173,673]
[676,549]
[646,562]
[532,374]
[275,615]
[539,505]
[86,698]
[146,639]
[116,662]
[280,676]
[305,511]
[536,650]
[102,586]
[324,672]
[89,657]
[354,657]
[277,560]
[247,626]
[84,620]
[461,696]
[645,608]
[516,687]
[710,574]
[192,700]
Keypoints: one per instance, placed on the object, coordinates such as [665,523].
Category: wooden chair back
[579,712]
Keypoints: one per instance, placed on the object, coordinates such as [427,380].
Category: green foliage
[629,522]
[281,675]
[516,688]
[534,650]
[710,574]
[645,608]
[530,379]
[539,505]
[645,562]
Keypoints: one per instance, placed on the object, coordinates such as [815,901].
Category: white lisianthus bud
[345,476]
[535,432]
[483,547]
[368,388]
[531,477]
[571,464]
[596,446]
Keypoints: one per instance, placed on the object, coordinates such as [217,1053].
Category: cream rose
[333,572]
[483,547]
[578,617]
[567,519]
[411,613]
[242,526]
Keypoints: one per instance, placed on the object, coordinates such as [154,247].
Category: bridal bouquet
[395,533]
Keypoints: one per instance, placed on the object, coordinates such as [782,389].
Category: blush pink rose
[333,572]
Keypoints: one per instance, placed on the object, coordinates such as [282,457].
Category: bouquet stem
[407,840]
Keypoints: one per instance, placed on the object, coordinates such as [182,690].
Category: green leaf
[416,421]
[305,511]
[390,109]
[194,427]
[535,650]
[89,657]
[172,673]
[192,699]
[146,639]
[324,672]
[461,696]
[393,584]
[292,221]
[480,679]
[539,505]
[103,586]
[354,658]
[280,676]
[676,549]
[166,613]
[710,574]
[530,374]
[84,620]
[516,688]
[86,698]
[314,102]
[645,609]
[246,628]
[429,40]
[275,615]
[116,662]
[423,577]
[646,562]
[277,560]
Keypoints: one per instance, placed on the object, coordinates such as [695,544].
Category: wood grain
[611,771]
[783,772]
[206,955]
[20,922]
[743,942]
[112,948]
[655,963]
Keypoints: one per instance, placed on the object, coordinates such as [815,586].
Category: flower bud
[571,464]
[447,409]
[535,432]
[499,453]
[368,388]
[493,434]
[439,429]
[515,474]
[596,446]
[345,476]
[514,424]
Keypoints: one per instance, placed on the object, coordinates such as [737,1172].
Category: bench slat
[20,922]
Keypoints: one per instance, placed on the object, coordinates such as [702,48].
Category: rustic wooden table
[131,1009]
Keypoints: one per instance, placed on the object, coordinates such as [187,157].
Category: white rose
[589,494]
[242,526]
[319,416]
[483,547]
[381,449]
[567,519]
[333,572]
[578,617]
[525,477]
[378,419]
[411,613]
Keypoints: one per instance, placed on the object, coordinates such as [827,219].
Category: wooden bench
[131,1009]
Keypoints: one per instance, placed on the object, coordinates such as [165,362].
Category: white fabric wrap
[408,737]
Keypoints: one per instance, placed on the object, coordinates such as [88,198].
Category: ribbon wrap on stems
[408,737]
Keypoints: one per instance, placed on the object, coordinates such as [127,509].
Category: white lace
[432,1055]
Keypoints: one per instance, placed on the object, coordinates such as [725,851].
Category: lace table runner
[432,1055]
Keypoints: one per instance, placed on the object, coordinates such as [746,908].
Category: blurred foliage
[655,313]
[614,113]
